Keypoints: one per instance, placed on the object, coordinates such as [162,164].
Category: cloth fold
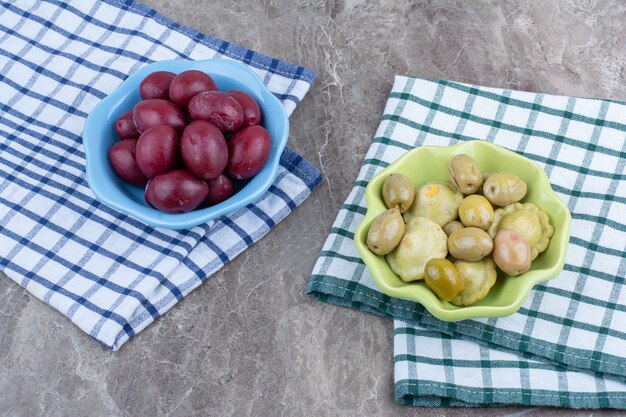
[565,345]
[109,273]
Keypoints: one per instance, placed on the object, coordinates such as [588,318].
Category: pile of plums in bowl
[187,142]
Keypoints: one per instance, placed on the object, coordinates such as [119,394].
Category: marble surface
[248,341]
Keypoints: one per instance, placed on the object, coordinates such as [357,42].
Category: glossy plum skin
[122,156]
[251,111]
[248,150]
[156,111]
[177,191]
[187,143]
[218,108]
[187,84]
[204,149]
[125,126]
[156,85]
[158,150]
[220,189]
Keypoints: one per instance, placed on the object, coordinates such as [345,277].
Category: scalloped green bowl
[430,163]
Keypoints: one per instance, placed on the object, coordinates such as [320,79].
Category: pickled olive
[452,227]
[465,174]
[511,252]
[398,192]
[476,210]
[386,232]
[451,258]
[503,188]
[470,244]
[442,278]
[486,175]
[477,277]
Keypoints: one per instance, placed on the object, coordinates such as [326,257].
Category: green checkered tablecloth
[566,346]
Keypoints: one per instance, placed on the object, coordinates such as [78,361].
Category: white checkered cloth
[109,273]
[433,369]
[566,346]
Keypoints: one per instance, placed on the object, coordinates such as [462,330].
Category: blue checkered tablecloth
[107,272]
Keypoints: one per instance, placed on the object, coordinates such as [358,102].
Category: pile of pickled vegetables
[456,235]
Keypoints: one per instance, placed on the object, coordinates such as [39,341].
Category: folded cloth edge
[439,394]
[293,162]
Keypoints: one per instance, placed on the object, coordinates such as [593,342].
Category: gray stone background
[248,341]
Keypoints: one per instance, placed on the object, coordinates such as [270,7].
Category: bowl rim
[224,67]
[375,206]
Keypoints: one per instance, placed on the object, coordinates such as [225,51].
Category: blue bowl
[99,135]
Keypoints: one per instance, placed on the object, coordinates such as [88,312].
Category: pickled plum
[125,126]
[220,189]
[204,149]
[251,110]
[158,150]
[177,191]
[218,108]
[248,150]
[187,84]
[124,161]
[173,141]
[156,85]
[156,111]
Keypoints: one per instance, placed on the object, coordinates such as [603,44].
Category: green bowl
[430,163]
